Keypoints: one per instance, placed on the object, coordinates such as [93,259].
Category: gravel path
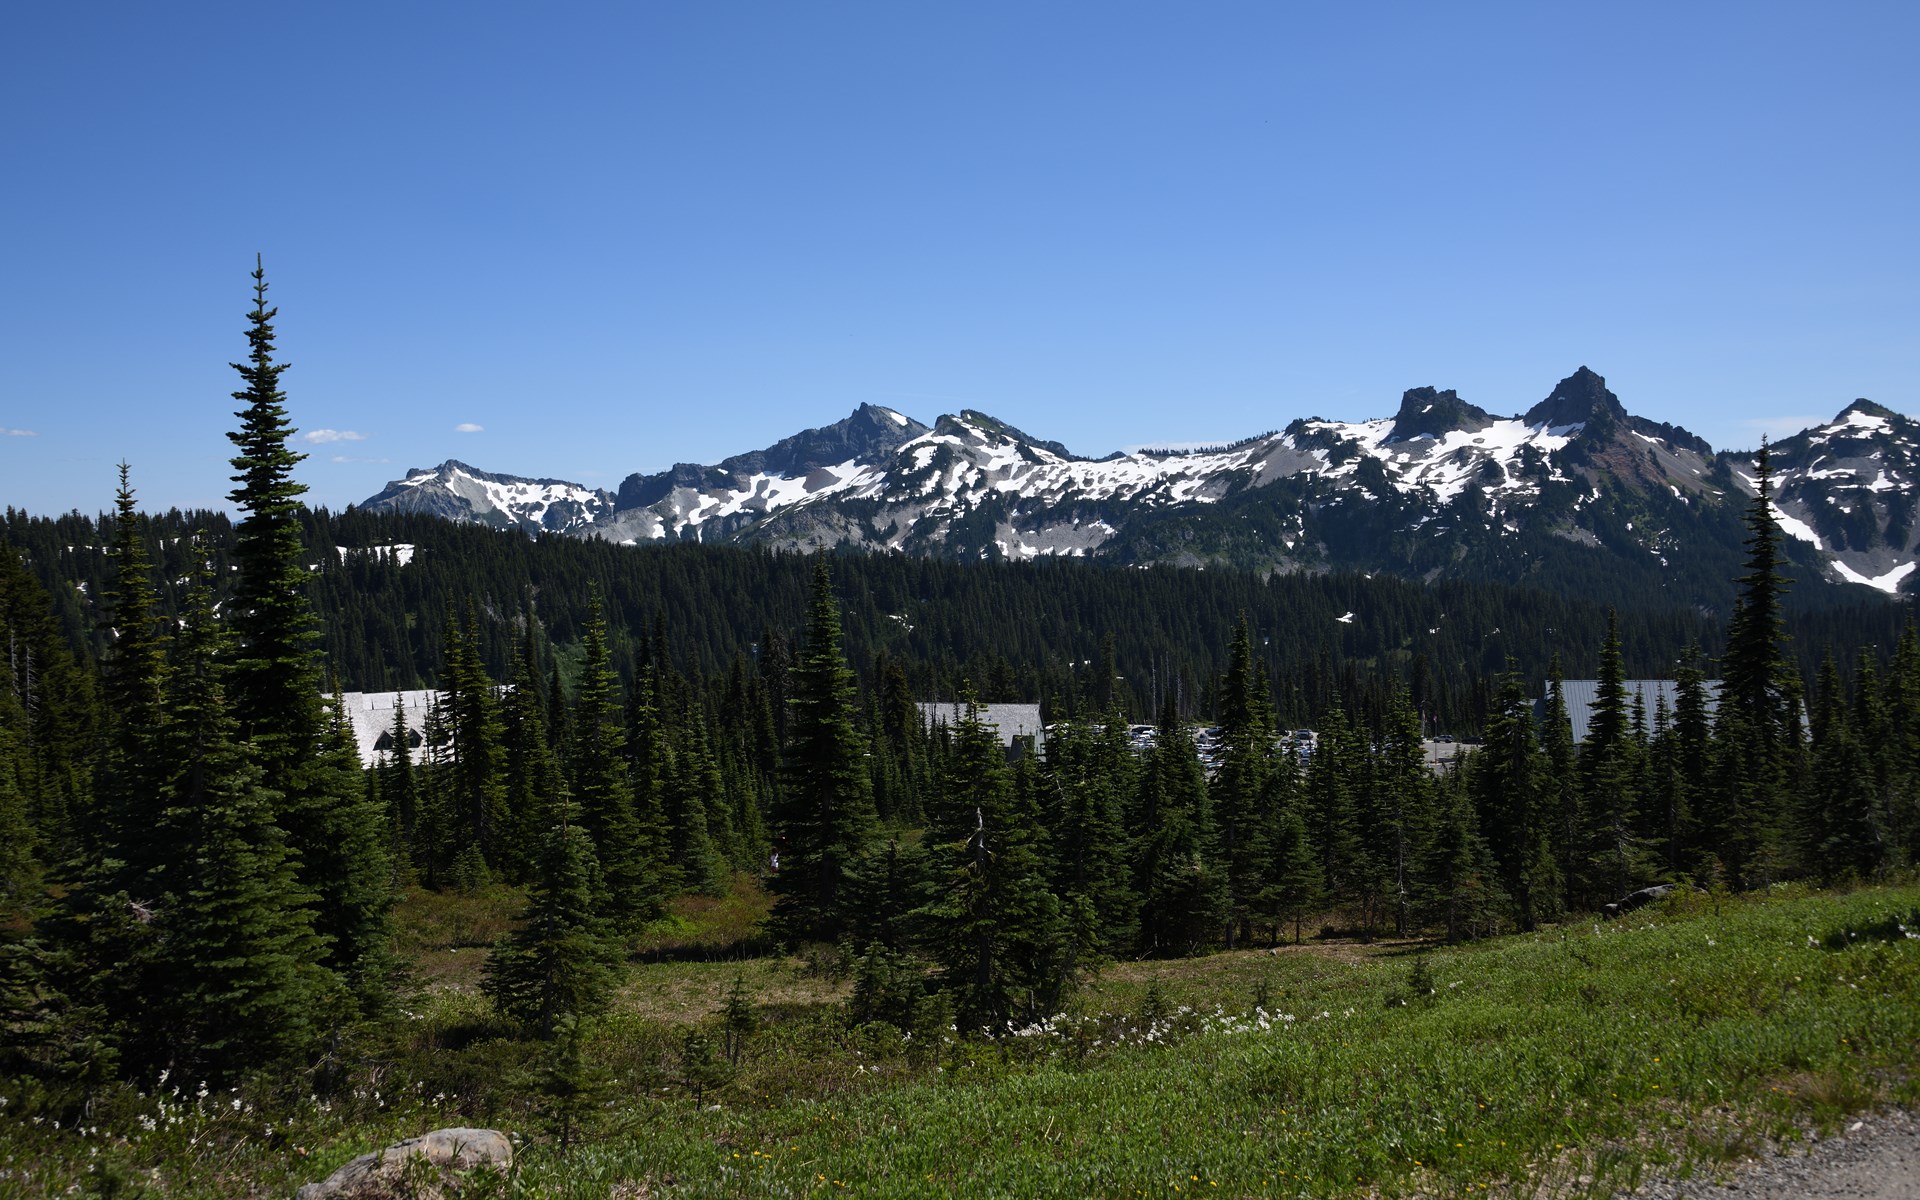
[1875,1157]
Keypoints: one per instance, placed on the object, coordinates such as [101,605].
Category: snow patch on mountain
[1889,582]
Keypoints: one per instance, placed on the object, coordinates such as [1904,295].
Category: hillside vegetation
[1571,1060]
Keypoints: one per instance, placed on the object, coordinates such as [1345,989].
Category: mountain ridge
[1575,489]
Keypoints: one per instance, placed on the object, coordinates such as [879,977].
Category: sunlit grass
[1562,1063]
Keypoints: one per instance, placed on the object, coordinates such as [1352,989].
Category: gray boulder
[1645,896]
[417,1169]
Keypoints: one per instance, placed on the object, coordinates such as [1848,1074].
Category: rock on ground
[416,1168]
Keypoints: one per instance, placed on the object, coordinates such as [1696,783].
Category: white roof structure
[1011,720]
[370,718]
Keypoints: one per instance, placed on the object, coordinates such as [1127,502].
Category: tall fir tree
[332,832]
[994,928]
[824,822]
[1612,859]
[132,685]
[1405,822]
[240,982]
[560,964]
[1088,774]
[1183,900]
[276,668]
[1512,804]
[1295,885]
[476,780]
[1459,877]
[632,859]
[1692,735]
[1757,728]
[1902,748]
[534,789]
[1240,784]
[1560,779]
[1835,831]
[1328,806]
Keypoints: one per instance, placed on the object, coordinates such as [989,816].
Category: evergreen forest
[199,878]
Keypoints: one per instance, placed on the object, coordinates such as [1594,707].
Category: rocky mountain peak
[972,423]
[1425,412]
[1581,398]
[1868,408]
[870,431]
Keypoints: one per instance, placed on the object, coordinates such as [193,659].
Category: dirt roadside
[1872,1157]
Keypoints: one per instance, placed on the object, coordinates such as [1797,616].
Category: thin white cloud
[1779,427]
[348,458]
[5,432]
[321,437]
[468,427]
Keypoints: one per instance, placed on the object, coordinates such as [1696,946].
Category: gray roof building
[1581,693]
[370,718]
[1011,720]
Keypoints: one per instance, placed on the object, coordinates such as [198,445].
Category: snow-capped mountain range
[1575,493]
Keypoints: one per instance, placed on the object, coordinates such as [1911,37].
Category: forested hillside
[1052,631]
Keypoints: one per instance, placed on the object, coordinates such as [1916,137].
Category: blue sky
[615,236]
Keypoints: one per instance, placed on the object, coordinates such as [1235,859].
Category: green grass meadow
[1569,1062]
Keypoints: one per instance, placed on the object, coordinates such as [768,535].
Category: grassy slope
[1667,1039]
[1672,1038]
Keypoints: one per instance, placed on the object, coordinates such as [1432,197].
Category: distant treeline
[1070,635]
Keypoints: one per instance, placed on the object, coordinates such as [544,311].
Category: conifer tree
[1835,829]
[892,884]
[823,822]
[1757,730]
[534,789]
[1182,895]
[133,678]
[334,836]
[400,795]
[1240,786]
[19,866]
[1692,753]
[240,983]
[678,782]
[560,964]
[1295,887]
[632,859]
[1507,793]
[1088,774]
[432,831]
[1612,860]
[1406,809]
[1328,807]
[1872,730]
[476,778]
[276,671]
[1902,750]
[994,928]
[58,704]
[1560,780]
[1460,875]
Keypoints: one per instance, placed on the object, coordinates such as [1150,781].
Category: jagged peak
[454,466]
[1581,398]
[991,426]
[1428,412]
[446,468]
[1864,405]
